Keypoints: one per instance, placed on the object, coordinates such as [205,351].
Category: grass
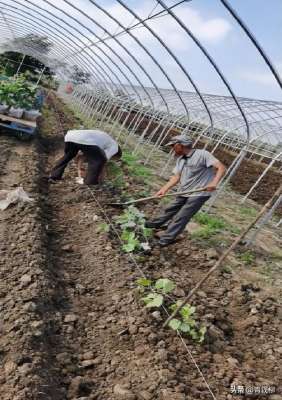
[247,257]
[210,221]
[116,175]
[215,241]
[248,211]
[144,193]
[131,166]
[227,269]
[211,225]
[134,167]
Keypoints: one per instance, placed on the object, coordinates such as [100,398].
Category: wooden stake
[192,293]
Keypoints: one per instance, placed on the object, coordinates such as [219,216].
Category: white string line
[142,273]
[153,9]
[196,365]
[137,25]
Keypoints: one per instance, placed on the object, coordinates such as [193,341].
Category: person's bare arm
[172,182]
[220,171]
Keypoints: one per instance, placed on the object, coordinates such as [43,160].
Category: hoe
[145,199]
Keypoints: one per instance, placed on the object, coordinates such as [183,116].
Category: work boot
[152,225]
[165,243]
[48,179]
[158,234]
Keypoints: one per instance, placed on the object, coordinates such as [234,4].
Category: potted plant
[17,94]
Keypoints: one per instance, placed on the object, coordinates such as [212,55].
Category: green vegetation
[227,269]
[104,227]
[116,174]
[133,232]
[10,61]
[156,294]
[186,322]
[134,168]
[79,76]
[130,166]
[211,225]
[247,257]
[17,93]
[144,193]
[248,211]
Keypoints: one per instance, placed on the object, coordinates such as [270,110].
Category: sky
[208,20]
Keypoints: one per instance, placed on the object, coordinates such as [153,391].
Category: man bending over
[97,147]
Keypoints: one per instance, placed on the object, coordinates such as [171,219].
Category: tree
[79,76]
[41,44]
[10,60]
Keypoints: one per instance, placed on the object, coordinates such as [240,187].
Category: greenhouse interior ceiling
[164,59]
[140,199]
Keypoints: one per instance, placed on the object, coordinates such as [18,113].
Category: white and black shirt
[94,138]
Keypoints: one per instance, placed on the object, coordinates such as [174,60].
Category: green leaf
[127,235]
[184,327]
[153,300]
[144,282]
[147,232]
[187,311]
[130,247]
[190,321]
[202,332]
[129,224]
[104,227]
[174,324]
[165,285]
[193,333]
[132,241]
[173,307]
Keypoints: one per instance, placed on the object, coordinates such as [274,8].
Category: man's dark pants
[179,213]
[95,158]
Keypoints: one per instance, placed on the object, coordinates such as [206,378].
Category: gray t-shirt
[196,171]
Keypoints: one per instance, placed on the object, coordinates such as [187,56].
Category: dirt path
[71,327]
[26,367]
[105,348]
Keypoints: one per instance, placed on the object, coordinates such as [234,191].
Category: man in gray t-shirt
[194,169]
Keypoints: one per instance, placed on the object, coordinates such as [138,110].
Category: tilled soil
[72,325]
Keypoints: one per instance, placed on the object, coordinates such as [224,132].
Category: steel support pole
[19,67]
[263,221]
[260,178]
